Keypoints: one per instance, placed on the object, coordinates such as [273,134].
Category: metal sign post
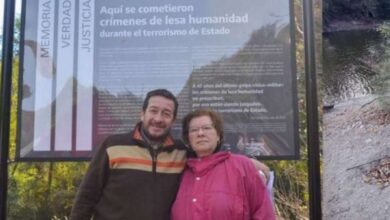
[6,69]
[312,113]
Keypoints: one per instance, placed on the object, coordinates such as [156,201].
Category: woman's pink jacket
[222,186]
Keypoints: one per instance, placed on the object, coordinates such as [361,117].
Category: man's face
[158,117]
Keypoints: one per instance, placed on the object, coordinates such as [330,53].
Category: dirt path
[356,137]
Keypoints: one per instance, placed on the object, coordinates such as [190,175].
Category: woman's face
[203,136]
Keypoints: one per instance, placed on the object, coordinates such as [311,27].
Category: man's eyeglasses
[204,128]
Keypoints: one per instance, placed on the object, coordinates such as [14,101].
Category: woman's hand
[263,170]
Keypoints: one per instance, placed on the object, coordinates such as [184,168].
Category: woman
[217,185]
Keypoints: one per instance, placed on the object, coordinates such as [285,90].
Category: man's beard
[159,138]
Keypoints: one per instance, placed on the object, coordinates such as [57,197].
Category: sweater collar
[201,166]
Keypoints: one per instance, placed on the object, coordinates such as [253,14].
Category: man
[136,175]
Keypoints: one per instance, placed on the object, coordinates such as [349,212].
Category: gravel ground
[356,139]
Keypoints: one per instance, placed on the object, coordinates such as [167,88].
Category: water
[350,63]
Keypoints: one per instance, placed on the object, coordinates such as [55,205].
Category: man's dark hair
[163,93]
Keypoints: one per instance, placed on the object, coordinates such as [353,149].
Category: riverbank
[349,25]
[356,140]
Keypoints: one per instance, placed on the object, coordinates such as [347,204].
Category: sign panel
[87,66]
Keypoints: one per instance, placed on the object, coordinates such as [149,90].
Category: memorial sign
[87,65]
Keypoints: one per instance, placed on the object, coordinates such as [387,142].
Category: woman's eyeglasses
[204,128]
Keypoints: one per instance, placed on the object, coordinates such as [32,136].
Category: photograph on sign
[87,65]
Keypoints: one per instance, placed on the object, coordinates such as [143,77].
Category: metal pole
[6,81]
[312,113]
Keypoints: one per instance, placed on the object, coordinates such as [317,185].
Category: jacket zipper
[154,161]
[154,153]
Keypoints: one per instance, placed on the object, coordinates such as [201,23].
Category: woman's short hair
[215,117]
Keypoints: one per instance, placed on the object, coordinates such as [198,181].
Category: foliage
[385,29]
[382,80]
[38,190]
[291,181]
[42,190]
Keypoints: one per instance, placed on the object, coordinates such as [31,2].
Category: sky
[17,8]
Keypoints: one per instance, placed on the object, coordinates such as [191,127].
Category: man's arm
[91,187]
